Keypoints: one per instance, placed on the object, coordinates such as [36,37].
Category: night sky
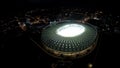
[55,3]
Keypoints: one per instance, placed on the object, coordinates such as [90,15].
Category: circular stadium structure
[69,40]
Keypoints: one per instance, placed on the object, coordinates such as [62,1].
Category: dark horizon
[8,6]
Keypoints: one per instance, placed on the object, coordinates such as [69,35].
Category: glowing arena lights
[70,30]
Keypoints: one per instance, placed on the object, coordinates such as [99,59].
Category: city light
[90,65]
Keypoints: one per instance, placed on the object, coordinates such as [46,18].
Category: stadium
[69,40]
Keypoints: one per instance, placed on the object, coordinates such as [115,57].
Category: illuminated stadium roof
[69,37]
